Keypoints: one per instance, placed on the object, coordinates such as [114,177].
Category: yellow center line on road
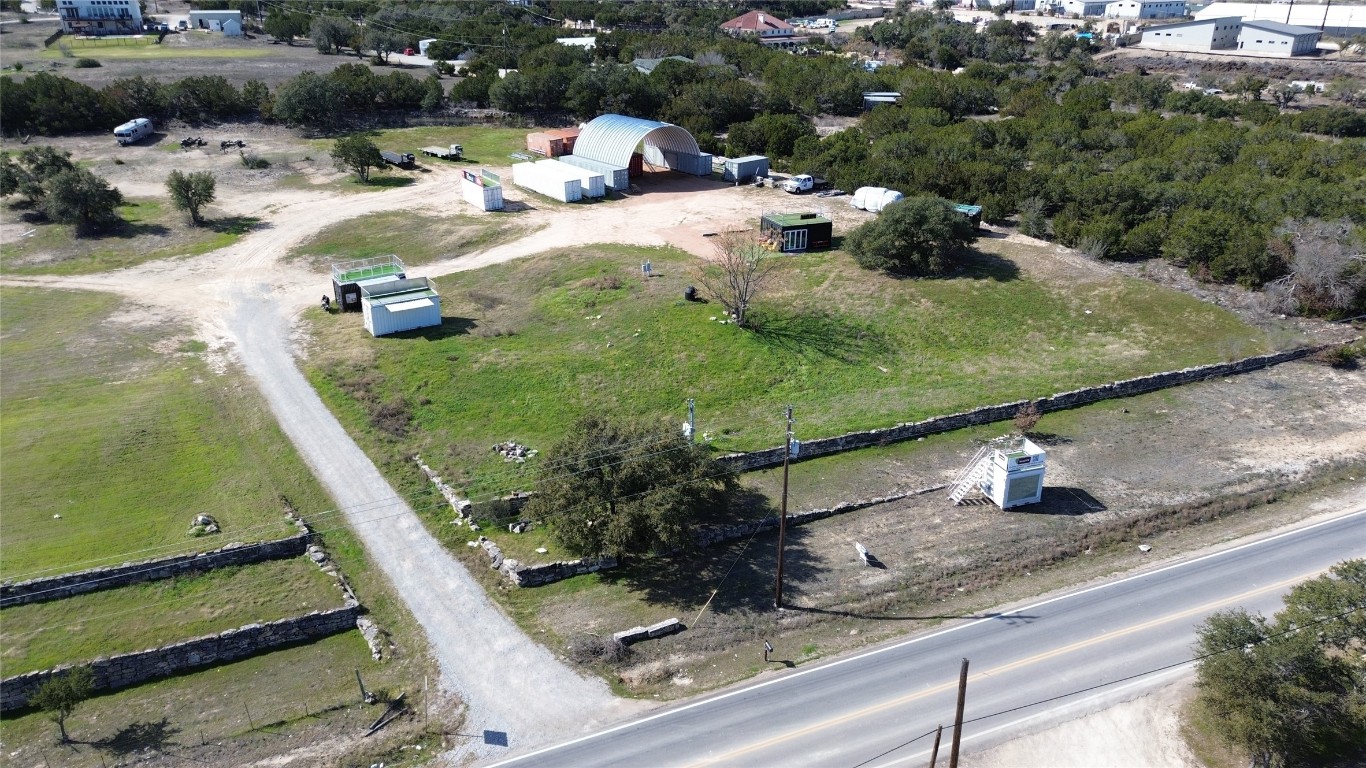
[1014,665]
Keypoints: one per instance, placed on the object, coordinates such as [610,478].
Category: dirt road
[243,300]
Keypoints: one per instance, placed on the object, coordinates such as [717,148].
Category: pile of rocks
[514,452]
[203,524]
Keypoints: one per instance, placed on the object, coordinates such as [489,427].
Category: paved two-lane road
[850,712]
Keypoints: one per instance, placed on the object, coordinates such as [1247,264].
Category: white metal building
[394,306]
[227,22]
[100,17]
[1194,36]
[612,139]
[1276,39]
[1145,9]
[1081,7]
[1338,19]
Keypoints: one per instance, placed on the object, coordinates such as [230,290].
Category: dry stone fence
[126,669]
[772,457]
[111,577]
[524,575]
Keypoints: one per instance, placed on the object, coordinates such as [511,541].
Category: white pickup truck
[802,183]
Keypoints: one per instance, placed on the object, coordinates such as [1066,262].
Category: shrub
[253,161]
[84,63]
[1027,418]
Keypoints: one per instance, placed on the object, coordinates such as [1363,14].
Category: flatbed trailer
[453,152]
[400,159]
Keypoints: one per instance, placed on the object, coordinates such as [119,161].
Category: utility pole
[934,753]
[958,716]
[782,515]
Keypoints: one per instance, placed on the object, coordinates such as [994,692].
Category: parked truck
[400,159]
[453,152]
[803,182]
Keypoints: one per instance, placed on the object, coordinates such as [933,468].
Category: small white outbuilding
[1009,471]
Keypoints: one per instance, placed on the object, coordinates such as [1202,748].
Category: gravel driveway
[483,655]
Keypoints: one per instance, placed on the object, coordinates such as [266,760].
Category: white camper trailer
[133,131]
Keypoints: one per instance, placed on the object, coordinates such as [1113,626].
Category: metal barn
[394,306]
[348,275]
[613,139]
[793,232]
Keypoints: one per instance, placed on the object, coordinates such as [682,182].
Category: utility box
[795,232]
[348,275]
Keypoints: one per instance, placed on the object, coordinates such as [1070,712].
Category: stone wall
[127,669]
[772,457]
[536,575]
[110,577]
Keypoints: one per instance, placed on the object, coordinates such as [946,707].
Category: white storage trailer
[134,130]
[613,176]
[394,306]
[592,183]
[548,181]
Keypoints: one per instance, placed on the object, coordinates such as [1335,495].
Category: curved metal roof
[612,139]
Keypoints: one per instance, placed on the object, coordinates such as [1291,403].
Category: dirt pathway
[244,300]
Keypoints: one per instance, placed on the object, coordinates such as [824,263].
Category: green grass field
[81,628]
[152,230]
[146,48]
[115,422]
[489,146]
[528,346]
[209,706]
[416,238]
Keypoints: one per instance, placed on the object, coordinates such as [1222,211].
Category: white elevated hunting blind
[1008,470]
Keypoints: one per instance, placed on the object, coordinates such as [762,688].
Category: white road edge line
[922,638]
[1154,681]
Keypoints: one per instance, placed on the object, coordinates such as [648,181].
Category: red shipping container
[637,166]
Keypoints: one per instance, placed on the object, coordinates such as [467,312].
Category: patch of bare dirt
[1144,731]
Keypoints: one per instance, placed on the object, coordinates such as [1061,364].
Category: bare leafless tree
[738,273]
[1327,268]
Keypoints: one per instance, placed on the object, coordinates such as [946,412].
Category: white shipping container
[592,183]
[615,177]
[480,193]
[400,305]
[543,180]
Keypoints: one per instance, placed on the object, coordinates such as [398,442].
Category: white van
[133,131]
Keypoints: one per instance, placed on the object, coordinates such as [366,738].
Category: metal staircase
[971,475]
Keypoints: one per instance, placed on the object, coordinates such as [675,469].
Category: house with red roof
[770,29]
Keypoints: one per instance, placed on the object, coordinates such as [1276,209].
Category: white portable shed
[394,306]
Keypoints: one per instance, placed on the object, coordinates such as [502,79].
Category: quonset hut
[606,143]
